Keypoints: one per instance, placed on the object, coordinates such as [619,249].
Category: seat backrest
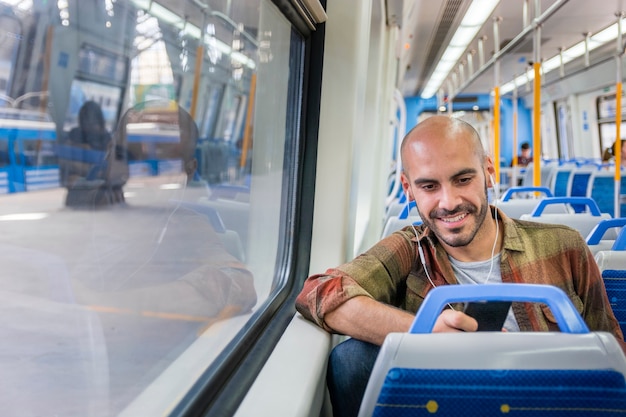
[548,168]
[584,222]
[578,182]
[394,209]
[603,235]
[602,189]
[407,216]
[494,373]
[612,264]
[517,201]
[560,180]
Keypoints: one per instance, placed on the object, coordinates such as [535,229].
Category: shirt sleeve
[380,273]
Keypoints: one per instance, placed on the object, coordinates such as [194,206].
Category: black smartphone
[490,315]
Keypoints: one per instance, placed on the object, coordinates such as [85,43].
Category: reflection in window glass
[142,194]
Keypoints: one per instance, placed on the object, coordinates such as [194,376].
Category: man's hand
[454,321]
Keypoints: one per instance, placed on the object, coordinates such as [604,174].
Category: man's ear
[406,187]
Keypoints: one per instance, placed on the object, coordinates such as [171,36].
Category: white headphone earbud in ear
[496,188]
[407,195]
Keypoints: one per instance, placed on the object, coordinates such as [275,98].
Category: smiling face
[446,171]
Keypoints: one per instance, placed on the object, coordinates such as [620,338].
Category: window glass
[142,194]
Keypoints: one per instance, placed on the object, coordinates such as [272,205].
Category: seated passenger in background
[88,162]
[524,158]
[91,131]
[609,153]
[464,241]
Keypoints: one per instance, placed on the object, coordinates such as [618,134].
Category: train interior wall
[356,112]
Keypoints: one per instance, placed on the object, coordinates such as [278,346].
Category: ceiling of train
[429,25]
[200,11]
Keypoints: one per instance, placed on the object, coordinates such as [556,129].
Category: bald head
[443,131]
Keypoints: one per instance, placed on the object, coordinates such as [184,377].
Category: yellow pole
[247,134]
[618,148]
[46,67]
[617,212]
[618,122]
[496,132]
[515,161]
[196,80]
[537,125]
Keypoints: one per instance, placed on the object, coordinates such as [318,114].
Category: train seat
[493,373]
[612,264]
[584,222]
[516,207]
[547,170]
[601,188]
[506,177]
[394,209]
[407,216]
[603,235]
[578,183]
[395,206]
[560,180]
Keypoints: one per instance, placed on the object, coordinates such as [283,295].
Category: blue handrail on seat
[620,241]
[596,234]
[513,190]
[567,317]
[404,214]
[586,201]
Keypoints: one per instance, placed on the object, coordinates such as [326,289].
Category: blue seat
[612,264]
[547,168]
[602,189]
[583,221]
[560,181]
[497,373]
[407,216]
[516,207]
[395,207]
[603,235]
[615,284]
[577,185]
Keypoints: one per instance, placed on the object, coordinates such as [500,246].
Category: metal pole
[514,174]
[496,99]
[618,118]
[537,100]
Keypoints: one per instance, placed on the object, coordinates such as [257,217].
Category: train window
[605,107]
[147,151]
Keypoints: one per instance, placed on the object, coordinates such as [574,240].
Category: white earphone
[496,188]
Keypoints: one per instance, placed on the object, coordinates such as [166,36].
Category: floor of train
[68,348]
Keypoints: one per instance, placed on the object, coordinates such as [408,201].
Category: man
[463,241]
[524,158]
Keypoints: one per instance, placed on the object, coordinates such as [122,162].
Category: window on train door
[146,195]
[605,108]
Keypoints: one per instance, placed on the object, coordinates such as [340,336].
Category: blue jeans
[349,368]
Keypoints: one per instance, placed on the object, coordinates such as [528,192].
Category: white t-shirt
[483,272]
